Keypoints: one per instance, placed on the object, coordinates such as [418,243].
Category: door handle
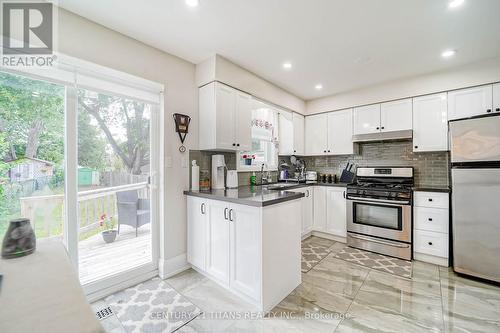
[231,215]
[225,213]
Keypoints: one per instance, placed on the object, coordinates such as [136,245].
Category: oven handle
[379,200]
[380,241]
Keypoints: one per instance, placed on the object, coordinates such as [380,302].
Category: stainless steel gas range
[379,211]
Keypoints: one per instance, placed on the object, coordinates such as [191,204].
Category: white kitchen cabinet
[465,103]
[316,134]
[244,247]
[431,223]
[244,250]
[496,97]
[319,208]
[396,115]
[336,211]
[218,241]
[367,119]
[196,231]
[243,134]
[340,133]
[225,118]
[298,134]
[430,123]
[286,133]
[307,208]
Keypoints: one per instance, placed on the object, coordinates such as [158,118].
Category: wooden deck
[98,259]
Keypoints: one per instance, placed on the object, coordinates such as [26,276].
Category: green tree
[91,144]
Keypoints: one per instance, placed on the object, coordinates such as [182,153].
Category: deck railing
[91,204]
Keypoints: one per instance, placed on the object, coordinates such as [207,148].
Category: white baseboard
[431,259]
[329,236]
[172,266]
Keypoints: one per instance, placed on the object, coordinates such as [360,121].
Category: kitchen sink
[281,186]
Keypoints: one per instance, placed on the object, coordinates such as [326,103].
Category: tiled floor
[338,296]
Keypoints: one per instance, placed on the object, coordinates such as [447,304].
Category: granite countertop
[431,188]
[248,195]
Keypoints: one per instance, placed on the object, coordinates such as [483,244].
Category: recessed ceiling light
[448,53]
[455,3]
[287,65]
[318,86]
[193,3]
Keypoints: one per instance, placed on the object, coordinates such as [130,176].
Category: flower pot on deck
[109,236]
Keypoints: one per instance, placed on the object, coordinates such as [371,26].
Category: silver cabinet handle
[225,213]
[231,215]
[307,193]
[202,208]
[343,194]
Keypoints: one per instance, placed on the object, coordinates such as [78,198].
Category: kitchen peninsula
[247,240]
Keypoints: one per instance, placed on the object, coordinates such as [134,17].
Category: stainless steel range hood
[383,136]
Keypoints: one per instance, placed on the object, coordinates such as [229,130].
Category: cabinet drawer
[431,219]
[431,199]
[431,243]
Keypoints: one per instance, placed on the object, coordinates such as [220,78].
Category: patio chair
[132,211]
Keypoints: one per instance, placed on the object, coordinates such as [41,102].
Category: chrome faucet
[262,178]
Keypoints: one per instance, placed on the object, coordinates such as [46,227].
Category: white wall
[81,38]
[465,76]
[220,69]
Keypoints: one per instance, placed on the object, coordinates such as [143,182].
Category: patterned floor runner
[376,261]
[152,306]
[312,254]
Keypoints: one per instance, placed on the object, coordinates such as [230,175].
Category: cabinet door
[316,134]
[307,210]
[197,218]
[496,97]
[298,134]
[430,123]
[225,104]
[396,115]
[367,119]
[319,208]
[244,250]
[286,133]
[243,134]
[470,102]
[340,132]
[336,212]
[218,241]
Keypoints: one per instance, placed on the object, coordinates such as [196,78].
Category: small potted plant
[109,234]
[248,158]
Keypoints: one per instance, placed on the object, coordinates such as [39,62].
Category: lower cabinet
[431,224]
[307,209]
[336,211]
[252,251]
[330,210]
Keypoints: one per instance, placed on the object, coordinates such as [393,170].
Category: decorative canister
[19,239]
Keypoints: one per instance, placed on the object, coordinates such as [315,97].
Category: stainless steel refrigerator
[475,173]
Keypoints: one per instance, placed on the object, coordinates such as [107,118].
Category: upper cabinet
[316,134]
[396,115]
[286,133]
[298,134]
[496,97]
[330,133]
[430,123]
[385,117]
[465,103]
[340,133]
[225,118]
[291,133]
[367,119]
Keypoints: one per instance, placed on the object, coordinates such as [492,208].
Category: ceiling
[343,45]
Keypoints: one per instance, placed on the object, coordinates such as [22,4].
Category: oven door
[380,218]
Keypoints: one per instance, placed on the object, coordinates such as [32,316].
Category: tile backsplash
[430,169]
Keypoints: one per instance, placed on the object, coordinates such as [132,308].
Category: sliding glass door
[76,159]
